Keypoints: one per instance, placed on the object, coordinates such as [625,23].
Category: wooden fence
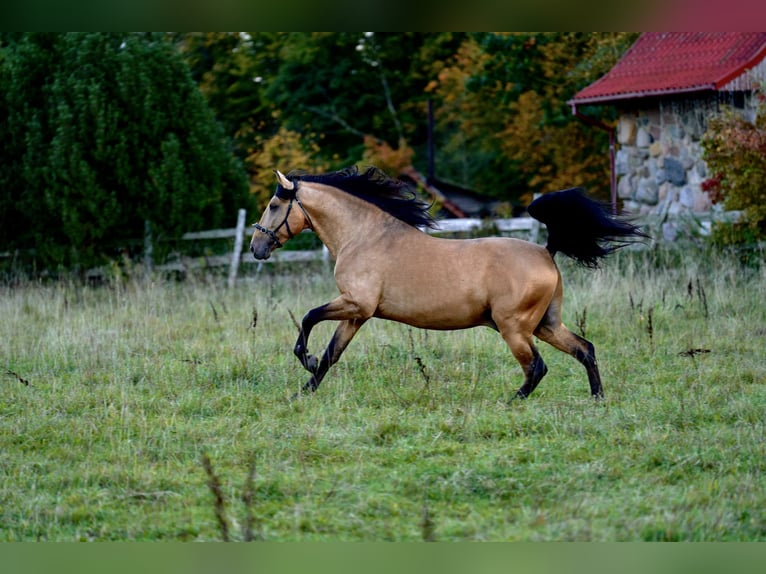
[667,227]
[528,227]
[658,228]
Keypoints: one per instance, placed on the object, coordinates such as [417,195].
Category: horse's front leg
[340,340]
[301,350]
[342,308]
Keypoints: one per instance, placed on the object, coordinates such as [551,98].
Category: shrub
[735,151]
[103,132]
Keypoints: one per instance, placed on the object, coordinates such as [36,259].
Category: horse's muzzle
[261,248]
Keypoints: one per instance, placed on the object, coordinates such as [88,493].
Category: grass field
[113,397]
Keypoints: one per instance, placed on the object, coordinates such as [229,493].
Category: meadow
[160,410]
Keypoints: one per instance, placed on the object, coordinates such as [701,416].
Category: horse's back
[496,255]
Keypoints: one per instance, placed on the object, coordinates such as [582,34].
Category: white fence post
[236,256]
[534,230]
[325,256]
[148,248]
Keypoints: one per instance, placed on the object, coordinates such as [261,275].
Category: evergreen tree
[106,132]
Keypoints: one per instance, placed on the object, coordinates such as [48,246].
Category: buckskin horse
[387,267]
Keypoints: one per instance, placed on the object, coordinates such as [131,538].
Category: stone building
[665,88]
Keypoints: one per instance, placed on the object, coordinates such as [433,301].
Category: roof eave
[608,99]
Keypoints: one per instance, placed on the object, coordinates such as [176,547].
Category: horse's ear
[283,181]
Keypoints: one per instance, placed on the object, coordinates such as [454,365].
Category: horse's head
[279,222]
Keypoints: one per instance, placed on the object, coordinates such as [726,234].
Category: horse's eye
[273,206]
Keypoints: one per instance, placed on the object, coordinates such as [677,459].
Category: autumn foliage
[735,151]
[504,117]
[502,124]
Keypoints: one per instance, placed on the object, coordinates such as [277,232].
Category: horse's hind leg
[581,349]
[533,374]
[526,354]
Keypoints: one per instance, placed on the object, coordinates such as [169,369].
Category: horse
[388,267]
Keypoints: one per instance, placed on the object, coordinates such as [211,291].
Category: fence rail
[666,227]
[527,225]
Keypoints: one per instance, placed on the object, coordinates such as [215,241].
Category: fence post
[534,232]
[236,256]
[325,256]
[148,248]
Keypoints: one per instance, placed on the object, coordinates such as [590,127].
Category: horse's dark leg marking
[581,349]
[340,340]
[525,353]
[588,358]
[309,362]
[533,374]
[352,317]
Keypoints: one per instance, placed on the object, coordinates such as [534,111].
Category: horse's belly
[436,309]
[437,321]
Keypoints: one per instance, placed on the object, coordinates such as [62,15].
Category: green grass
[110,396]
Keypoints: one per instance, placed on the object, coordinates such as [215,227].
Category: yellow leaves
[520,138]
[286,150]
[553,55]
[452,76]
[549,157]
[382,155]
[507,98]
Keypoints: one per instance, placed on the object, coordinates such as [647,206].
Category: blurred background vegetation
[107,136]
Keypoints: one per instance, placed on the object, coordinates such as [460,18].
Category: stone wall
[659,163]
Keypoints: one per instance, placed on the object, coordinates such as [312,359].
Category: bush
[735,151]
[101,134]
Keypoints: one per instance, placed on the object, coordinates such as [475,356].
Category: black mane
[392,196]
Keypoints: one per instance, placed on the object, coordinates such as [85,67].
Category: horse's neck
[340,219]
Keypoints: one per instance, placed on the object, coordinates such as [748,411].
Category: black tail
[580,227]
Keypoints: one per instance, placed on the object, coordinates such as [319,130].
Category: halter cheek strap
[273,233]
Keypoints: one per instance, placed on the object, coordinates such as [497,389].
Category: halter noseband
[282,193]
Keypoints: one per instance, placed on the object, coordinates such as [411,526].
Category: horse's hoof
[305,390]
[519,395]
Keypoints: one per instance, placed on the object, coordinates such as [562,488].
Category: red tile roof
[662,63]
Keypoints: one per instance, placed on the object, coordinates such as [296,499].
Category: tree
[503,125]
[230,70]
[317,101]
[501,109]
[107,132]
[233,71]
[338,89]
